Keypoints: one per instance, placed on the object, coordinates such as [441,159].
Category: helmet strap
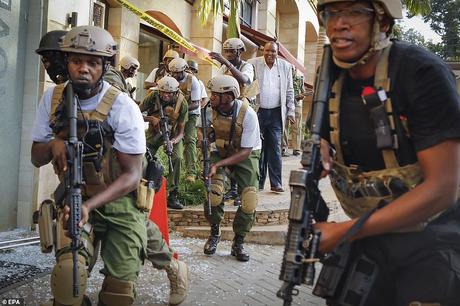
[379,41]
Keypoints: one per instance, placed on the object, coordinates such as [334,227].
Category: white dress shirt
[270,93]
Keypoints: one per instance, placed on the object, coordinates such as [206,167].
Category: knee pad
[217,192]
[62,280]
[249,200]
[116,292]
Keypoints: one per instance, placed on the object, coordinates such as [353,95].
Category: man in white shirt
[276,101]
[163,70]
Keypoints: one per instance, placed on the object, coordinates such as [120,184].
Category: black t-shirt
[425,99]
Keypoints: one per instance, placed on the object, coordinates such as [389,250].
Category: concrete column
[127,37]
[208,36]
[292,34]
[266,21]
[310,61]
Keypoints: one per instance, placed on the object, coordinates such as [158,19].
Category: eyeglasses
[351,16]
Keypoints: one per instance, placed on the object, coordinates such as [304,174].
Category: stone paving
[214,280]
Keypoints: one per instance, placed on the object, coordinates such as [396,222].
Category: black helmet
[50,41]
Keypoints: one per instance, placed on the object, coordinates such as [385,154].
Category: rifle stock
[206,161]
[306,202]
[73,181]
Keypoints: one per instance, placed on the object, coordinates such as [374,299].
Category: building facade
[23,80]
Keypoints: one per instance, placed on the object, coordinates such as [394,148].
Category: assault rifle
[206,161]
[164,127]
[307,205]
[69,191]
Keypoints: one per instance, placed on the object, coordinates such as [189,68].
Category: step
[267,234]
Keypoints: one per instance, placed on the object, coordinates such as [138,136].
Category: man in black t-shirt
[394,122]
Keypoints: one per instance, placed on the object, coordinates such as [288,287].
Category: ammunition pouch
[359,191]
[145,194]
[150,183]
[46,225]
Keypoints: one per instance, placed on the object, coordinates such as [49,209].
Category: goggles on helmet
[351,16]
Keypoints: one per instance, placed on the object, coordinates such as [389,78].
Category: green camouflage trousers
[120,227]
[158,251]
[154,141]
[190,136]
[246,174]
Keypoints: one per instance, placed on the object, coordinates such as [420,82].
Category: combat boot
[173,201]
[233,192]
[238,249]
[210,246]
[178,275]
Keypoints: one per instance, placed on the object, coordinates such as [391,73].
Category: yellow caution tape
[166,31]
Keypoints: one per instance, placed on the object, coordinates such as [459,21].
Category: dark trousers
[271,128]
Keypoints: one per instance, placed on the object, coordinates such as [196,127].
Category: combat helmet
[393,8]
[52,57]
[171,54]
[224,83]
[128,61]
[50,41]
[234,44]
[89,40]
[177,65]
[168,84]
[192,64]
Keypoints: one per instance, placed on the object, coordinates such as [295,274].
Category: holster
[347,277]
[348,274]
[46,225]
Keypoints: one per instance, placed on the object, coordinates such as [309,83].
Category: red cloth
[159,211]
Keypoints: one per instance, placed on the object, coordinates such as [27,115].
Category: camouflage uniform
[296,132]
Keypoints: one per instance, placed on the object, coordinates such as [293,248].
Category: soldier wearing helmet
[112,131]
[190,87]
[119,78]
[239,153]
[394,122]
[161,71]
[243,72]
[175,108]
[52,57]
[193,68]
[231,62]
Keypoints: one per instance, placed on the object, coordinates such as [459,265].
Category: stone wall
[197,218]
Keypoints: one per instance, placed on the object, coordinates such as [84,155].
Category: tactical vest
[161,72]
[96,180]
[246,90]
[360,191]
[186,87]
[172,112]
[228,139]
